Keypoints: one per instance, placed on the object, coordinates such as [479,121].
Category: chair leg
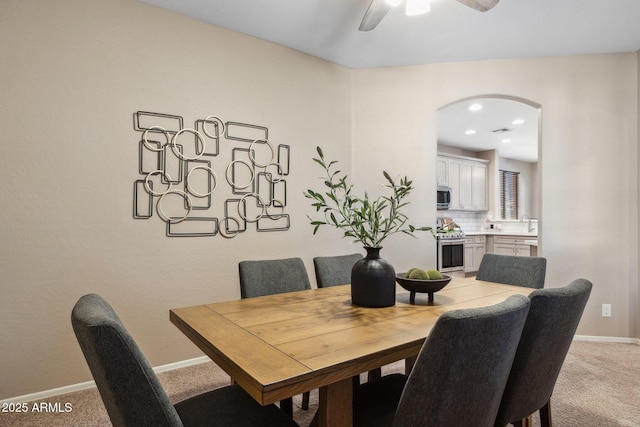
[519,423]
[545,415]
[305,400]
[286,406]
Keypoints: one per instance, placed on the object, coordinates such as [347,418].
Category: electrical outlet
[606,310]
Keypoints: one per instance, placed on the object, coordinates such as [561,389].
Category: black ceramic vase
[373,281]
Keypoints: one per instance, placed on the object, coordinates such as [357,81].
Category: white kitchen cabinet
[467,178]
[469,259]
[503,249]
[466,185]
[479,186]
[454,183]
[474,250]
[480,250]
[510,245]
[442,171]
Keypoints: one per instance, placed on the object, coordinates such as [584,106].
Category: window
[509,194]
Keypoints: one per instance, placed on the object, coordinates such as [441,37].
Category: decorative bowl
[422,286]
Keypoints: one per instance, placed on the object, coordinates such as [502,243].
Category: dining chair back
[513,270]
[274,276]
[551,324]
[131,391]
[334,270]
[459,374]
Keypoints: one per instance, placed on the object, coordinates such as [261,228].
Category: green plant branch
[366,221]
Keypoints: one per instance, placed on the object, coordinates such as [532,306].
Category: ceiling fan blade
[480,5]
[374,14]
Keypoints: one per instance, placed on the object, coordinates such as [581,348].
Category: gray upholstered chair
[552,321]
[513,270]
[131,392]
[275,276]
[334,270]
[459,374]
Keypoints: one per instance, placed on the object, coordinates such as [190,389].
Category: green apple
[409,271]
[419,274]
[434,275]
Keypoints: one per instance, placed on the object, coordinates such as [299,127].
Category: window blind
[509,194]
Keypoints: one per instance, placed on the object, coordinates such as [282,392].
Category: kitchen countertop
[502,233]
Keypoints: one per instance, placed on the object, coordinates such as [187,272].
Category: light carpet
[599,386]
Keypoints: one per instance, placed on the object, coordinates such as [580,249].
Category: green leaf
[365,220]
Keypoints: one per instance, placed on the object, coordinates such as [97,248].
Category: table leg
[334,406]
[408,364]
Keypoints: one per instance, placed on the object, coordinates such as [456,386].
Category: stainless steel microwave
[444,197]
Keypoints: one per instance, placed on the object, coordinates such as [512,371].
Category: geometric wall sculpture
[215,178]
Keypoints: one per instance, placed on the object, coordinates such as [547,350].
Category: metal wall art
[216,178]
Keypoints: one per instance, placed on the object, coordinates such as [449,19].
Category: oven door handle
[451,241]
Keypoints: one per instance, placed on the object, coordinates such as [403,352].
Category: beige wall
[635,294]
[588,164]
[526,185]
[75,72]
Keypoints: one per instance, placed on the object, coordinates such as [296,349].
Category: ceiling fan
[379,8]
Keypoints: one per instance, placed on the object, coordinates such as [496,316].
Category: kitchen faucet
[528,217]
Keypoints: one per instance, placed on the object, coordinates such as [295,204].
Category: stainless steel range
[450,246]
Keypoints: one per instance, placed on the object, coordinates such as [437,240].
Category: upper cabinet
[468,180]
[479,183]
[442,171]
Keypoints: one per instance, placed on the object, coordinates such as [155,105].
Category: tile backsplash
[467,220]
[476,221]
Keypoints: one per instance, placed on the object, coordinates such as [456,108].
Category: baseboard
[90,384]
[181,364]
[195,361]
[594,338]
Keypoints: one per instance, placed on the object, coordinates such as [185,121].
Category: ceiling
[451,32]
[493,126]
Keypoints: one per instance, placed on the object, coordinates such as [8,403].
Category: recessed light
[475,107]
[517,122]
[470,132]
[506,141]
[394,3]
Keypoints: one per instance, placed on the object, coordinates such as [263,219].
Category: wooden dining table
[279,346]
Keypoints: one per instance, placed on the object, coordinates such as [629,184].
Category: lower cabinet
[509,245]
[476,246]
[474,250]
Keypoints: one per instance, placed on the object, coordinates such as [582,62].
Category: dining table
[281,345]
